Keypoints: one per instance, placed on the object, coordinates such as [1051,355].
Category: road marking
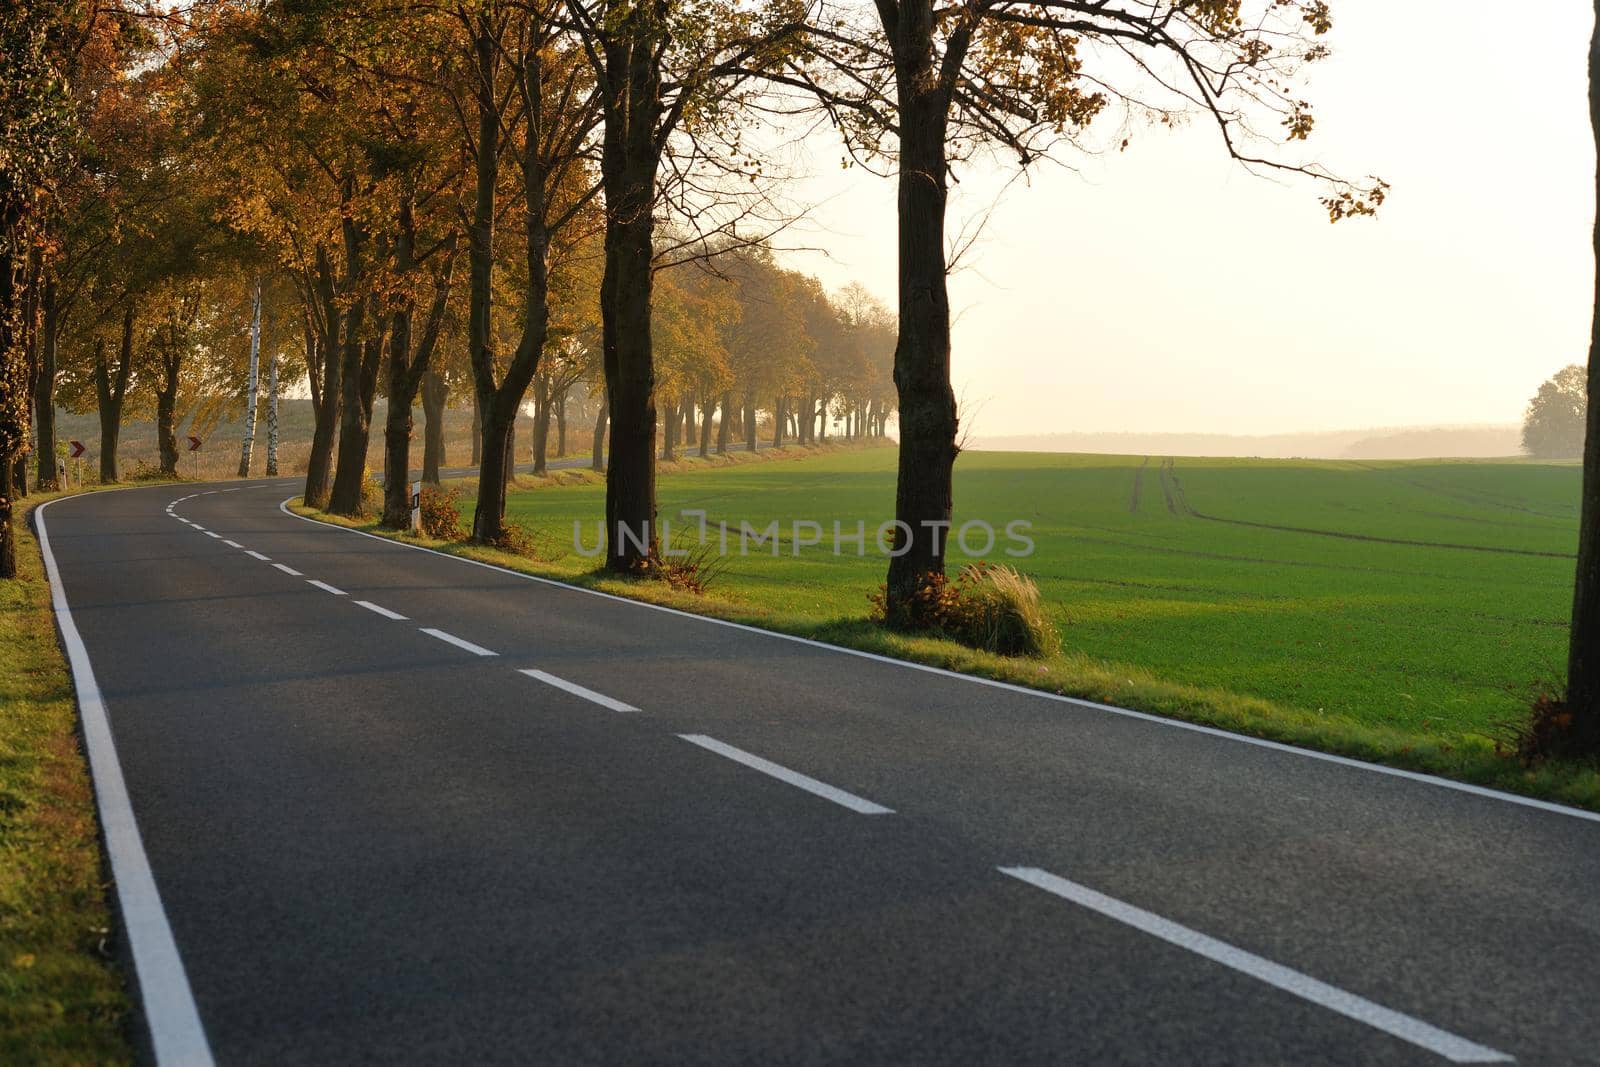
[451,639]
[285,568]
[325,587]
[385,612]
[233,544]
[212,533]
[1405,1027]
[784,774]
[1010,687]
[578,690]
[176,1033]
[257,555]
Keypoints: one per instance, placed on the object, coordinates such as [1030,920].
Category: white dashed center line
[285,568]
[578,690]
[325,587]
[1451,1047]
[452,639]
[210,533]
[232,544]
[257,555]
[380,610]
[784,774]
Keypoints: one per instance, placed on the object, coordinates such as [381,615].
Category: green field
[1427,597]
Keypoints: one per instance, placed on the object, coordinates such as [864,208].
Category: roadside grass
[62,1000]
[1412,655]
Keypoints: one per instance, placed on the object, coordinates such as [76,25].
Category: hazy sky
[1167,289]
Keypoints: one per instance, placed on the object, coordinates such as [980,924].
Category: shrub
[692,573]
[441,517]
[371,494]
[987,607]
[144,471]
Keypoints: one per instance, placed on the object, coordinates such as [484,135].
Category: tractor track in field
[1464,496]
[1172,489]
[1138,483]
[1179,504]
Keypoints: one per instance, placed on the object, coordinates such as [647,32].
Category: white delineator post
[252,385]
[416,507]
[272,417]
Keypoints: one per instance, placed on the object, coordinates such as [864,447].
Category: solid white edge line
[258,555]
[1396,1024]
[325,587]
[176,1033]
[452,639]
[577,690]
[379,609]
[784,774]
[1079,702]
[285,568]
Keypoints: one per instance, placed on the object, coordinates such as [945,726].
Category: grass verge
[62,1000]
[1474,759]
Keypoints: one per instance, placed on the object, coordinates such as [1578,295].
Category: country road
[371,804]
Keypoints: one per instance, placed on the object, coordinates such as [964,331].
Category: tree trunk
[669,433]
[272,416]
[1583,649]
[499,457]
[749,424]
[397,426]
[167,413]
[630,381]
[434,394]
[597,454]
[778,407]
[357,387]
[477,432]
[319,465]
[13,396]
[252,385]
[705,430]
[725,424]
[561,425]
[922,353]
[111,389]
[541,425]
[44,390]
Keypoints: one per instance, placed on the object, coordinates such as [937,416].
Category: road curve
[399,808]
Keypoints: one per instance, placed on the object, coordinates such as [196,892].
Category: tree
[666,71]
[1554,423]
[534,97]
[1583,648]
[933,84]
[35,129]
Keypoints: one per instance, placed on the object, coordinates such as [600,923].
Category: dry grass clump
[990,607]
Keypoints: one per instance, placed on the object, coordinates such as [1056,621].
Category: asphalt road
[377,838]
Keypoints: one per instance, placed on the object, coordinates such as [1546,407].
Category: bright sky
[1167,289]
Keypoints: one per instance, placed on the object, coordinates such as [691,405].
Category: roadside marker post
[78,450]
[194,454]
[416,507]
